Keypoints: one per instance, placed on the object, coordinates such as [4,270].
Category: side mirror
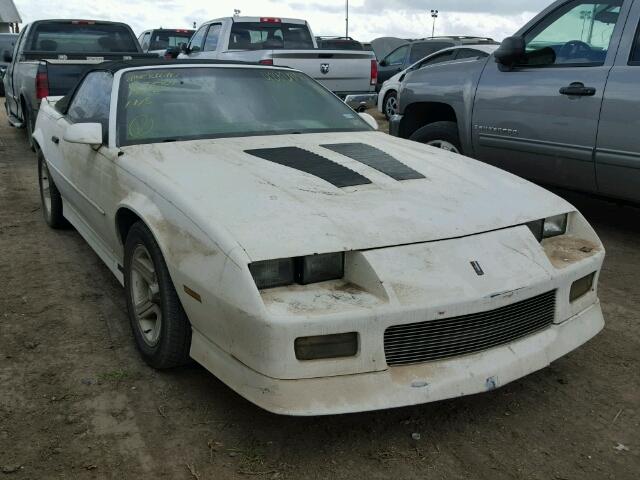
[7,57]
[184,48]
[172,53]
[84,133]
[511,51]
[372,122]
[383,63]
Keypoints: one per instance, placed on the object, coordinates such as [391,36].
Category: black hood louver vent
[312,163]
[375,158]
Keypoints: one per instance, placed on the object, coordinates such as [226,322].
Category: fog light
[581,287]
[326,346]
[272,273]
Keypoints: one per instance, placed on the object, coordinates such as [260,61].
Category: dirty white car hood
[275,211]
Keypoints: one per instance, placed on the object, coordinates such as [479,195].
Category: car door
[196,42]
[88,172]
[540,118]
[392,64]
[618,144]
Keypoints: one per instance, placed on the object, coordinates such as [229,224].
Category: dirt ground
[76,400]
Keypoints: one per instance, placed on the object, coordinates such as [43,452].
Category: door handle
[578,89]
[55,140]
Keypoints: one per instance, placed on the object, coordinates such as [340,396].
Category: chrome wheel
[444,145]
[391,106]
[145,293]
[45,189]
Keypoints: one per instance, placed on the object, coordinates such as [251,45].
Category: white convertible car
[314,265]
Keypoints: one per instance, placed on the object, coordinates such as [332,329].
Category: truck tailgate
[63,74]
[338,70]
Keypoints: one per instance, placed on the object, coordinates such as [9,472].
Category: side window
[145,40]
[92,100]
[195,44]
[439,58]
[470,53]
[420,50]
[397,56]
[211,42]
[634,59]
[578,33]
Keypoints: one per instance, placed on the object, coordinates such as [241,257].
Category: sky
[368,19]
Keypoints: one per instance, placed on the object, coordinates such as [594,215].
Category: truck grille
[452,337]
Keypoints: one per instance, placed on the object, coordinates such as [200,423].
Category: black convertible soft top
[62,105]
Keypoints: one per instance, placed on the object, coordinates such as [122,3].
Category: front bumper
[361,101]
[405,385]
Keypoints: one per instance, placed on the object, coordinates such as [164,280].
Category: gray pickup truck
[158,41]
[51,55]
[350,74]
[558,103]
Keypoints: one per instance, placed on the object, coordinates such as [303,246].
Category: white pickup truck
[352,75]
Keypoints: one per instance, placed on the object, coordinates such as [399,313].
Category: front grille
[452,337]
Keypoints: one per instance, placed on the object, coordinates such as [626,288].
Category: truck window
[397,56]
[269,36]
[82,37]
[144,43]
[634,59]
[91,101]
[163,39]
[578,33]
[470,53]
[424,49]
[211,42]
[198,38]
[439,58]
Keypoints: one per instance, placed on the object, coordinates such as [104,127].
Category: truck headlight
[302,270]
[549,227]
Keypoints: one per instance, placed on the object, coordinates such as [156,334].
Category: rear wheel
[160,326]
[50,198]
[442,135]
[390,105]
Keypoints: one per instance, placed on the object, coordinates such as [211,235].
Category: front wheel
[442,135]
[390,105]
[50,198]
[160,326]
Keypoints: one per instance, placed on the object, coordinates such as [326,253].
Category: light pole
[346,19]
[434,15]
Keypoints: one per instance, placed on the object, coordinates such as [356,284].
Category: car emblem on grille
[324,68]
[476,266]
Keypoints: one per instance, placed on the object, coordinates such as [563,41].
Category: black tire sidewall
[172,348]
[447,131]
[55,219]
[386,99]
[28,126]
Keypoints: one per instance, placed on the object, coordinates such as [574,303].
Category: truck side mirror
[383,63]
[6,56]
[510,52]
[184,48]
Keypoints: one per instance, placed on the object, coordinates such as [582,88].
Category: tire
[160,326]
[390,104]
[441,135]
[50,198]
[28,125]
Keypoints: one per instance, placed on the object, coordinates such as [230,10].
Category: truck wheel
[28,125]
[442,135]
[50,198]
[160,326]
[390,105]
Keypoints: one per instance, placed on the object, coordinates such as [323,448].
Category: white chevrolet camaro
[314,265]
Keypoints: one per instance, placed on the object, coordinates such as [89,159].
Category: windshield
[82,38]
[269,36]
[163,39]
[169,104]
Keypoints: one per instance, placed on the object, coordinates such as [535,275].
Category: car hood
[276,211]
